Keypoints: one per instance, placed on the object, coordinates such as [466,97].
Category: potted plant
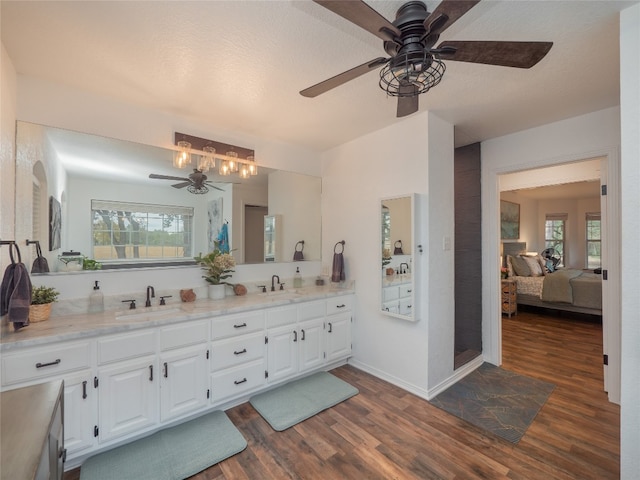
[42,299]
[218,267]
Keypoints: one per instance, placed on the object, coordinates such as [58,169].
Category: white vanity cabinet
[67,361]
[237,355]
[127,384]
[338,327]
[184,385]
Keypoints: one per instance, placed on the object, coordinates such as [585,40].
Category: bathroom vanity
[129,374]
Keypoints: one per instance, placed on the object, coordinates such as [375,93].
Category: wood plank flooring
[387,433]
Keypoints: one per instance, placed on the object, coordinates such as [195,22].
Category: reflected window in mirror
[386,229]
[135,232]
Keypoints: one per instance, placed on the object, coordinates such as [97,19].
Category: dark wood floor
[387,433]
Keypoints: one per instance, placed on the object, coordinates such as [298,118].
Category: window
[136,232]
[554,234]
[594,259]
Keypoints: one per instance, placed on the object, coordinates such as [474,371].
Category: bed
[565,289]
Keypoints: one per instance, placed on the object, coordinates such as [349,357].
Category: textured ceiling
[241,64]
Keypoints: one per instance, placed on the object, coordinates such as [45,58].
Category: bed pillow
[520,267]
[534,266]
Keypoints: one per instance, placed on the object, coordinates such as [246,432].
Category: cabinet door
[282,352]
[128,397]
[338,335]
[184,381]
[80,403]
[311,344]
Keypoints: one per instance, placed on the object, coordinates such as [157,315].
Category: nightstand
[509,297]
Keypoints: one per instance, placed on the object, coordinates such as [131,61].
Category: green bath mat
[172,454]
[294,402]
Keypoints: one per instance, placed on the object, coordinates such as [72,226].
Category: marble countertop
[88,325]
[391,280]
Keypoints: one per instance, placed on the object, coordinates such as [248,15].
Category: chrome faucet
[153,294]
[273,287]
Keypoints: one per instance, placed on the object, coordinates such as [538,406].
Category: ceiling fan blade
[506,54]
[358,12]
[181,185]
[446,14]
[408,104]
[166,177]
[209,184]
[342,78]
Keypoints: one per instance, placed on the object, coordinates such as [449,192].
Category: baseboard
[458,375]
[416,390]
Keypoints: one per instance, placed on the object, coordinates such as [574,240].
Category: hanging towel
[40,264]
[15,293]
[337,271]
[298,255]
[223,238]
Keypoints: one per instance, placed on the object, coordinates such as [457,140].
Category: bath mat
[502,402]
[171,454]
[294,402]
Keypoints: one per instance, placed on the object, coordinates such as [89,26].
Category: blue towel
[223,239]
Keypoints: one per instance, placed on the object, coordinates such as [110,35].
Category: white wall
[630,263]
[414,155]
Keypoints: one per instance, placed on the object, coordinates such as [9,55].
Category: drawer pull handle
[55,362]
[84,390]
[244,350]
[330,327]
[295,336]
[166,370]
[238,382]
[341,306]
[151,373]
[409,291]
[302,331]
[241,325]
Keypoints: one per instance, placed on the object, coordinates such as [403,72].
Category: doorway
[254,233]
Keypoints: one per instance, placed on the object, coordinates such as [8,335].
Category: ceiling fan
[196,182]
[414,65]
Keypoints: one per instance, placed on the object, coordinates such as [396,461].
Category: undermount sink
[147,313]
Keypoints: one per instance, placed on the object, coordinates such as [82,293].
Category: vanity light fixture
[243,171]
[182,158]
[253,168]
[224,168]
[207,160]
[232,161]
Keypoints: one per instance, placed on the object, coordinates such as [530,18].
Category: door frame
[491,309]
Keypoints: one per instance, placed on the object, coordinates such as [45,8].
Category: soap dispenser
[96,299]
[297,279]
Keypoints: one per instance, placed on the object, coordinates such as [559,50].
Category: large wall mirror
[398,240]
[112,212]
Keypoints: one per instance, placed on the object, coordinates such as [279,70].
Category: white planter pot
[217,292]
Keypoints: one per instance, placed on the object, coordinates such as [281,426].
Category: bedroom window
[140,233]
[593,240]
[554,234]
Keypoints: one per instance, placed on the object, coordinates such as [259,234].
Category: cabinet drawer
[281,316]
[44,362]
[232,352]
[183,335]
[389,294]
[237,325]
[235,381]
[339,304]
[406,290]
[311,310]
[130,345]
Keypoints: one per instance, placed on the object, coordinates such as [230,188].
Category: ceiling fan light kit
[415,65]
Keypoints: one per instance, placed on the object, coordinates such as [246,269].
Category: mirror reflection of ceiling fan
[415,65]
[196,182]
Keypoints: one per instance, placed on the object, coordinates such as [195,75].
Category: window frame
[593,216]
[146,210]
[554,242]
